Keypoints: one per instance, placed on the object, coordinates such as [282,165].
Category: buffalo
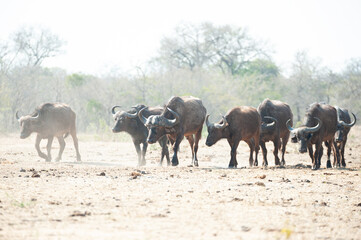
[181,117]
[274,115]
[320,126]
[240,123]
[50,120]
[129,122]
[344,125]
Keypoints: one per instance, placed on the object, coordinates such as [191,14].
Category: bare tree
[37,44]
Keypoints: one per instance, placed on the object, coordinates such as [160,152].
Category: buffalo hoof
[255,163]
[57,159]
[277,162]
[315,167]
[78,158]
[283,162]
[196,163]
[232,166]
[265,164]
[329,164]
[343,164]
[175,162]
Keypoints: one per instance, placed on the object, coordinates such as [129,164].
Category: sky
[103,36]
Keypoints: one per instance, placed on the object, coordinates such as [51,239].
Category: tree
[37,44]
[205,46]
[306,83]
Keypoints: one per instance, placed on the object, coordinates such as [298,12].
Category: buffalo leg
[336,154]
[144,151]
[276,144]
[342,150]
[251,149]
[62,146]
[328,145]
[76,145]
[198,136]
[234,145]
[317,155]
[139,152]
[48,147]
[264,152]
[37,147]
[175,149]
[310,152]
[256,147]
[191,144]
[163,143]
[284,144]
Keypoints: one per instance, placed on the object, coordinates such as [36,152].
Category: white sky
[103,35]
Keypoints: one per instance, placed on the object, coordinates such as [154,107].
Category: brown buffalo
[129,122]
[181,117]
[344,125]
[320,126]
[274,115]
[50,120]
[240,123]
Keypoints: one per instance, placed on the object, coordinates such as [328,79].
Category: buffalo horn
[113,109]
[171,122]
[342,122]
[269,125]
[17,116]
[315,128]
[141,117]
[290,128]
[207,121]
[223,125]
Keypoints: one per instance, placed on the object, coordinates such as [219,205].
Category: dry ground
[107,197]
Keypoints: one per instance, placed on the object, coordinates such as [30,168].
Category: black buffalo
[129,122]
[274,115]
[181,117]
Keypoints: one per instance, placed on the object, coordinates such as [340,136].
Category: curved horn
[315,128]
[207,121]
[141,117]
[113,109]
[36,116]
[266,126]
[132,115]
[342,122]
[173,122]
[223,125]
[289,127]
[17,116]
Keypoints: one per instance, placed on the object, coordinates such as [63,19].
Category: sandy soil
[107,197]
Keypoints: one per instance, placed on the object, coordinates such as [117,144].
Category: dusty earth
[107,197]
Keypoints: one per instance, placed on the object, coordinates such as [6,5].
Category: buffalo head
[28,124]
[215,131]
[303,134]
[123,120]
[341,125]
[159,125]
[267,127]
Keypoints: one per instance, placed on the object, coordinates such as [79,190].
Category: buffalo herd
[184,117]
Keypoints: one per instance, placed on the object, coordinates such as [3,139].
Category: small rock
[260,184]
[35,175]
[22,170]
[224,175]
[80,214]
[262,176]
[101,174]
[245,229]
